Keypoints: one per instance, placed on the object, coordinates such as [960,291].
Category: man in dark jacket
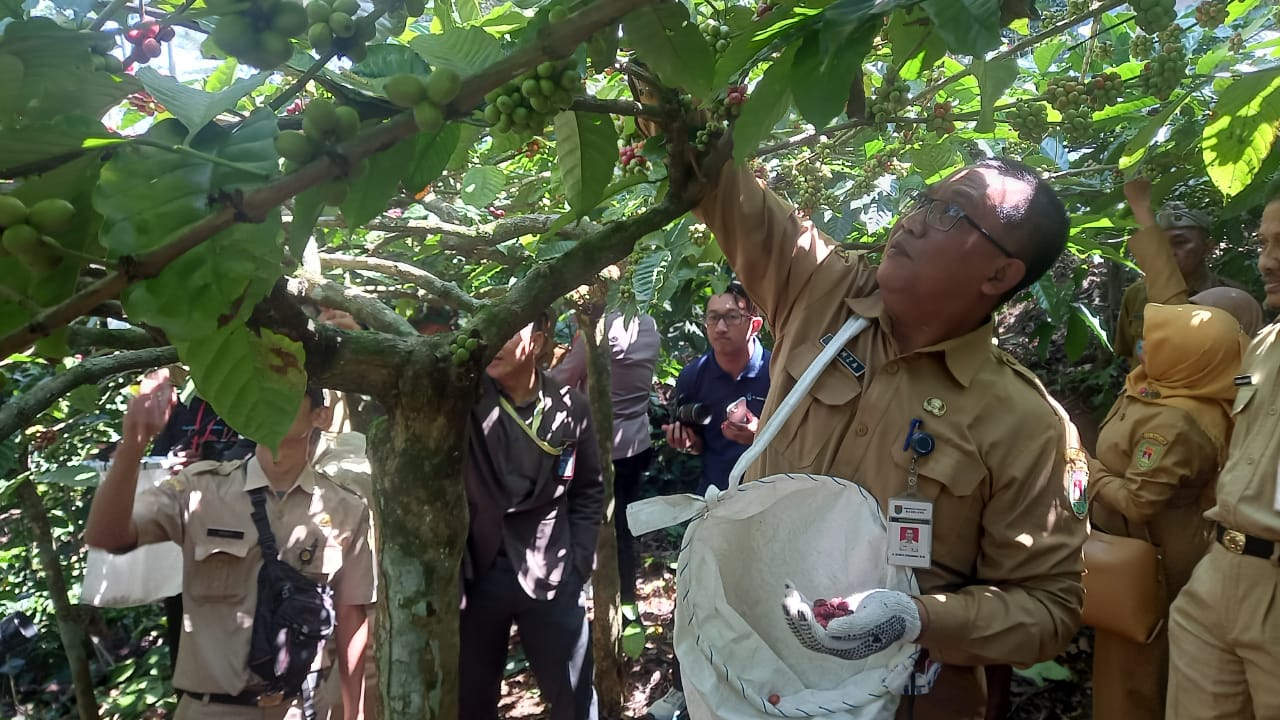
[536,497]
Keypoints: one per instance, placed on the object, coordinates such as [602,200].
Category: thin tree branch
[614,107]
[554,41]
[446,291]
[363,307]
[22,410]
[80,336]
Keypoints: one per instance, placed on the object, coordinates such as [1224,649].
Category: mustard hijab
[1191,355]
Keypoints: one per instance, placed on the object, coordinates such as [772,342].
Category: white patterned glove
[877,619]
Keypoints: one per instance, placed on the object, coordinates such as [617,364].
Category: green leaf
[650,273]
[368,197]
[969,27]
[766,106]
[481,185]
[586,150]
[822,72]
[994,78]
[41,144]
[70,476]
[1093,323]
[147,193]
[916,47]
[308,206]
[1046,53]
[633,640]
[1136,148]
[254,382]
[672,46]
[431,155]
[602,48]
[1241,130]
[1043,672]
[196,108]
[931,160]
[467,50]
[58,76]
[222,76]
[385,60]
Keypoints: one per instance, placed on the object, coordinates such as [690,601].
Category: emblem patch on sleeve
[1078,482]
[1147,453]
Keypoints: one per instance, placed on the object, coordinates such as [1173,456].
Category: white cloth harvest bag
[826,535]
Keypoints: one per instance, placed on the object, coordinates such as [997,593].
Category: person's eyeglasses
[732,319]
[943,215]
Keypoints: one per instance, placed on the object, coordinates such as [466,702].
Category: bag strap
[266,538]
[847,332]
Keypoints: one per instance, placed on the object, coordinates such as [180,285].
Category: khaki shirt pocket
[952,477]
[959,471]
[823,410]
[222,571]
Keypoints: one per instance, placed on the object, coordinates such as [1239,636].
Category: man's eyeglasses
[943,215]
[732,319]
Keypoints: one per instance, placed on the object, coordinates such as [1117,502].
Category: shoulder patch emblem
[1156,437]
[1148,453]
[1078,481]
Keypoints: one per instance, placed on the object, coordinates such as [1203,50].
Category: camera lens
[694,414]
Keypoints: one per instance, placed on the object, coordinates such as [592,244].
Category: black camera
[695,413]
[16,630]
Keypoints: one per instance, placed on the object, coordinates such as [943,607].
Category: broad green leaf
[431,155]
[1093,323]
[586,151]
[307,208]
[467,137]
[994,78]
[666,40]
[1242,130]
[916,47]
[147,193]
[468,10]
[1046,53]
[467,50]
[1136,148]
[766,106]
[40,145]
[255,382]
[222,76]
[650,273]
[633,640]
[196,108]
[602,48]
[969,27]
[481,185]
[443,14]
[1076,340]
[385,60]
[820,78]
[932,160]
[70,476]
[367,198]
[58,76]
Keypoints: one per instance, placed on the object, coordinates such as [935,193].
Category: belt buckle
[271,699]
[1233,540]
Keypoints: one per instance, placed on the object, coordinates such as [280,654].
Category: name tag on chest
[846,358]
[910,532]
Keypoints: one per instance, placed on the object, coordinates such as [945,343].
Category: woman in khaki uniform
[1158,456]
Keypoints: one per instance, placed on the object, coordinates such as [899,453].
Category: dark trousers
[627,474]
[555,636]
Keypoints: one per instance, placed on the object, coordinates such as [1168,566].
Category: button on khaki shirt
[321,528]
[1005,583]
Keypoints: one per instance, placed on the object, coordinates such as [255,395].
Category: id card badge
[910,531]
[567,462]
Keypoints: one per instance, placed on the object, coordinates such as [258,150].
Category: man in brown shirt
[536,496]
[322,530]
[1004,583]
[1224,627]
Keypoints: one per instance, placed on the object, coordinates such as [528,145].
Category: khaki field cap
[1177,215]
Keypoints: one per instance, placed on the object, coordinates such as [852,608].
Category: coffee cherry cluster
[1077,123]
[1078,7]
[44,439]
[631,159]
[261,34]
[1235,44]
[143,102]
[1065,93]
[705,137]
[27,230]
[1030,120]
[428,95]
[943,119]
[717,35]
[824,611]
[532,148]
[763,9]
[810,187]
[1104,89]
[1141,46]
[462,348]
[145,39]
[323,124]
[1162,73]
[1210,14]
[888,99]
[524,105]
[335,26]
[1154,15]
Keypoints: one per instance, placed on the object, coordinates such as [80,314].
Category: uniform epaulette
[214,466]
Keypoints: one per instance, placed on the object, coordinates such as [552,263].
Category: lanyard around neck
[530,428]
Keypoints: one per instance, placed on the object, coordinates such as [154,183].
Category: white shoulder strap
[847,332]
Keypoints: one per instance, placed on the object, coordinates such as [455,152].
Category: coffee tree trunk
[607,601]
[69,631]
[421,515]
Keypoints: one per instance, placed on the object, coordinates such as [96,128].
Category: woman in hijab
[1159,453]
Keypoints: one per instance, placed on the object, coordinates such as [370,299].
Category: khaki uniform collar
[255,477]
[964,355]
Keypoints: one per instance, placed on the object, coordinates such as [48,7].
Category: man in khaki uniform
[1224,628]
[1004,584]
[322,530]
[1187,232]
